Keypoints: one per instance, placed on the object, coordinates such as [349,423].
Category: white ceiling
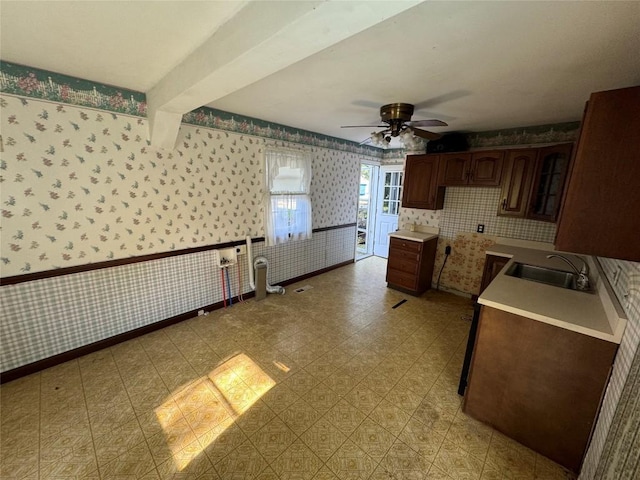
[476,65]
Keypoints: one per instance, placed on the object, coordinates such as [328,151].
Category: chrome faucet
[583,274]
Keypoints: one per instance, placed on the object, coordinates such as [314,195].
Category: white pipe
[250,264]
[270,288]
[259,261]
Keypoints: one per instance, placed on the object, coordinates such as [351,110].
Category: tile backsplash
[465,208]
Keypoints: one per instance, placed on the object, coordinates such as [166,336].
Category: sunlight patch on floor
[214,400]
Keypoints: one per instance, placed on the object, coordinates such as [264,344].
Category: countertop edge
[413,236]
[615,320]
[553,321]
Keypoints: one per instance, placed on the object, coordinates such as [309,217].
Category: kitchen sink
[550,276]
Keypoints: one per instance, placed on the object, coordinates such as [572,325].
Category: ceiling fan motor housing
[396,111]
[396,114]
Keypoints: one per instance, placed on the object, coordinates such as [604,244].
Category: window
[392,193]
[287,205]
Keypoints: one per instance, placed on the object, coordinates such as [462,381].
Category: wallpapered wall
[81,185]
[624,277]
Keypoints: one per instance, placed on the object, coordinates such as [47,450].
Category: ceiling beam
[261,39]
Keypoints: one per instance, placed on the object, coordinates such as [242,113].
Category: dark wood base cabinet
[410,265]
[492,266]
[538,384]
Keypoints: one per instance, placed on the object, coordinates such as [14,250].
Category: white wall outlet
[241,249]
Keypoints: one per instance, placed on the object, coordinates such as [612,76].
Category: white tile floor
[329,383]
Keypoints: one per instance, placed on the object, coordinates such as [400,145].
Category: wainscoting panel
[46,317]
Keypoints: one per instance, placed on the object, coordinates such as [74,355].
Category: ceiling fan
[397,117]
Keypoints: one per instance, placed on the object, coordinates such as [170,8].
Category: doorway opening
[367,201]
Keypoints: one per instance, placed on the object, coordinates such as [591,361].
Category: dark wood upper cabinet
[599,215]
[420,189]
[486,168]
[516,182]
[454,169]
[549,180]
[477,168]
[533,181]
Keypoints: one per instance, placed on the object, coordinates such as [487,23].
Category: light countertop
[595,314]
[413,236]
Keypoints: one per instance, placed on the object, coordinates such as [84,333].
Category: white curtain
[287,206]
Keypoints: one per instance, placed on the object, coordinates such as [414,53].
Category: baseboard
[54,360]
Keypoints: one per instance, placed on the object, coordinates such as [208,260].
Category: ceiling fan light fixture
[378,139]
[397,117]
[406,134]
[410,141]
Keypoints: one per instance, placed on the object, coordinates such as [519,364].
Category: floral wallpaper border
[35,83]
[220,120]
[552,133]
[55,87]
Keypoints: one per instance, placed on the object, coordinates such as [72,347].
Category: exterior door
[389,198]
[367,205]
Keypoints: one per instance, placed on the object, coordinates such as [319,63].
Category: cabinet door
[492,266]
[538,384]
[486,169]
[420,183]
[551,172]
[599,214]
[518,176]
[454,169]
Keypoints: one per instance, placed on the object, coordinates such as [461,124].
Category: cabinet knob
[470,174]
[504,204]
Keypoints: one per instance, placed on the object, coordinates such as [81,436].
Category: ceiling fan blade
[427,123]
[364,126]
[445,97]
[425,134]
[366,103]
[365,142]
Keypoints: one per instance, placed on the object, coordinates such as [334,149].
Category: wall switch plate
[480,228]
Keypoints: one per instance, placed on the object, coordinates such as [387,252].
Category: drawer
[401,279]
[408,245]
[404,261]
[397,254]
